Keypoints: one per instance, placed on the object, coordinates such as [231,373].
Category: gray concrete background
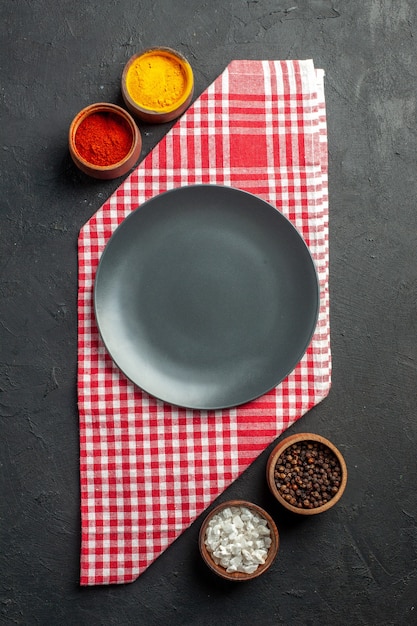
[356,565]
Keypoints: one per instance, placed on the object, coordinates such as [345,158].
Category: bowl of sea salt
[238,540]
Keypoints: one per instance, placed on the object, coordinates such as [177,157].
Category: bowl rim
[272,551]
[106,107]
[276,453]
[181,104]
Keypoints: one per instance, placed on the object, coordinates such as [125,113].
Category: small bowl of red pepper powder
[306,473]
[104,141]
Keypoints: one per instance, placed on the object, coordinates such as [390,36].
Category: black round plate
[206,297]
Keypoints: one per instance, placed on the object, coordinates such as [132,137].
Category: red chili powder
[103,138]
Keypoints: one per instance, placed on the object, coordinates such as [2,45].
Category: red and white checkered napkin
[149,469]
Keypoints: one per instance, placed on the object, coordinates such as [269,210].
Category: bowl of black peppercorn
[306,473]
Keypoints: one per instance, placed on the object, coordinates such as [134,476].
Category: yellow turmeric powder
[157,81]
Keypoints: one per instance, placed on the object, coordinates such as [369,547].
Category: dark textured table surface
[354,565]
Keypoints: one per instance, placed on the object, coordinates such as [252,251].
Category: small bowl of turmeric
[104,141]
[157,85]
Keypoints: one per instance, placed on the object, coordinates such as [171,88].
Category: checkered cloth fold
[149,469]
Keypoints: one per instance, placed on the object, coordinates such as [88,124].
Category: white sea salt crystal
[249,569]
[237,521]
[259,556]
[238,539]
